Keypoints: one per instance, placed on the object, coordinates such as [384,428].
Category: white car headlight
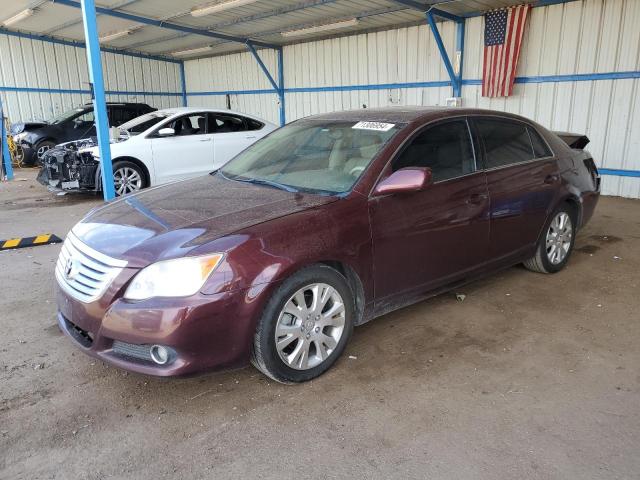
[181,277]
[20,136]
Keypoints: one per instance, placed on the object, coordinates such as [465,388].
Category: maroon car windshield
[316,156]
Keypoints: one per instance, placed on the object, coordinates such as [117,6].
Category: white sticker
[378,126]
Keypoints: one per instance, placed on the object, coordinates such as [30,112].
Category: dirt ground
[531,376]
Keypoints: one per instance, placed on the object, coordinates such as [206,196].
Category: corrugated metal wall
[234,73]
[580,37]
[60,71]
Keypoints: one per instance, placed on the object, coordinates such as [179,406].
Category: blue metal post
[443,52]
[184,84]
[277,87]
[99,100]
[6,156]
[281,92]
[457,90]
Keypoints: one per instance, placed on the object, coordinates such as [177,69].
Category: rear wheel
[556,244]
[127,177]
[305,326]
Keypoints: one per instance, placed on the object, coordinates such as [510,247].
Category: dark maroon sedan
[325,224]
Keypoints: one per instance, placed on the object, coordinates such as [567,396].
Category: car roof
[406,114]
[181,110]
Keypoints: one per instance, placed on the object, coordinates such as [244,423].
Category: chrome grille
[83,272]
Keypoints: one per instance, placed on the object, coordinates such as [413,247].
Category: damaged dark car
[70,166]
[37,137]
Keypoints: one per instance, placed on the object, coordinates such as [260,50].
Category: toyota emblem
[70,269]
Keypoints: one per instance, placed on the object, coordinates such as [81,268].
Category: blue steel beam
[183,81]
[281,94]
[457,89]
[443,53]
[264,68]
[6,156]
[446,15]
[162,24]
[73,43]
[99,100]
[277,87]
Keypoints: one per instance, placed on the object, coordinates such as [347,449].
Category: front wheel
[556,244]
[127,177]
[41,148]
[305,326]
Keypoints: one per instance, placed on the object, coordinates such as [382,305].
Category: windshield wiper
[261,181]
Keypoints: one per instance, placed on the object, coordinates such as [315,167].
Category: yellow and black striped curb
[43,239]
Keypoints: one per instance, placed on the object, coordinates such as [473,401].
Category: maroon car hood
[168,221]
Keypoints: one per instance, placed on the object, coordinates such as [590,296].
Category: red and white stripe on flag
[503,30]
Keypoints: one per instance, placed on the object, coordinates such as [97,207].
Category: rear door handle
[204,140]
[553,178]
[250,136]
[476,199]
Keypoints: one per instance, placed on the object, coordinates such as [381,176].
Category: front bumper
[207,332]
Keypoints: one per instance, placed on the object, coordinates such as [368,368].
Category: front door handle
[476,199]
[553,178]
[204,140]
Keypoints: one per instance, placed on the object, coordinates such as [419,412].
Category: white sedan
[179,143]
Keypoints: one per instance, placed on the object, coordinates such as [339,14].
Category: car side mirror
[166,132]
[405,180]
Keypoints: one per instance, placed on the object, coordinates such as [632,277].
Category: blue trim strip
[442,83]
[72,43]
[229,92]
[378,86]
[87,91]
[619,173]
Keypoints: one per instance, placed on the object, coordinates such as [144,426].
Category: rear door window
[540,148]
[223,123]
[505,142]
[445,148]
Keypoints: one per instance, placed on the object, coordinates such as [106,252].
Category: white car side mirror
[166,132]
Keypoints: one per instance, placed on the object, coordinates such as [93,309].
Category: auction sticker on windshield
[378,126]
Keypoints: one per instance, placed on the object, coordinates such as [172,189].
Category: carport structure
[190,31]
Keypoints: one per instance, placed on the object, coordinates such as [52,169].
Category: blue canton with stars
[495,28]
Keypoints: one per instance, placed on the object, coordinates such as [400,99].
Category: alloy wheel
[310,326]
[42,150]
[126,180]
[559,235]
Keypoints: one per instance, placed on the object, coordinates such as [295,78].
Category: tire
[319,332]
[40,148]
[547,258]
[128,177]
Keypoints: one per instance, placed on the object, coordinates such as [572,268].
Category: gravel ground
[531,376]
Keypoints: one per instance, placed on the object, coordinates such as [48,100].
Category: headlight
[181,277]
[19,137]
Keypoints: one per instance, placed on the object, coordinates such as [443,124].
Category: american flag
[503,32]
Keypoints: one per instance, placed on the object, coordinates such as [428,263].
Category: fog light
[160,354]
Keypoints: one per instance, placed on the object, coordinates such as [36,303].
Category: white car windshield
[316,156]
[144,122]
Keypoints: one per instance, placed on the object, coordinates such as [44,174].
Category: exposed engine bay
[70,167]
